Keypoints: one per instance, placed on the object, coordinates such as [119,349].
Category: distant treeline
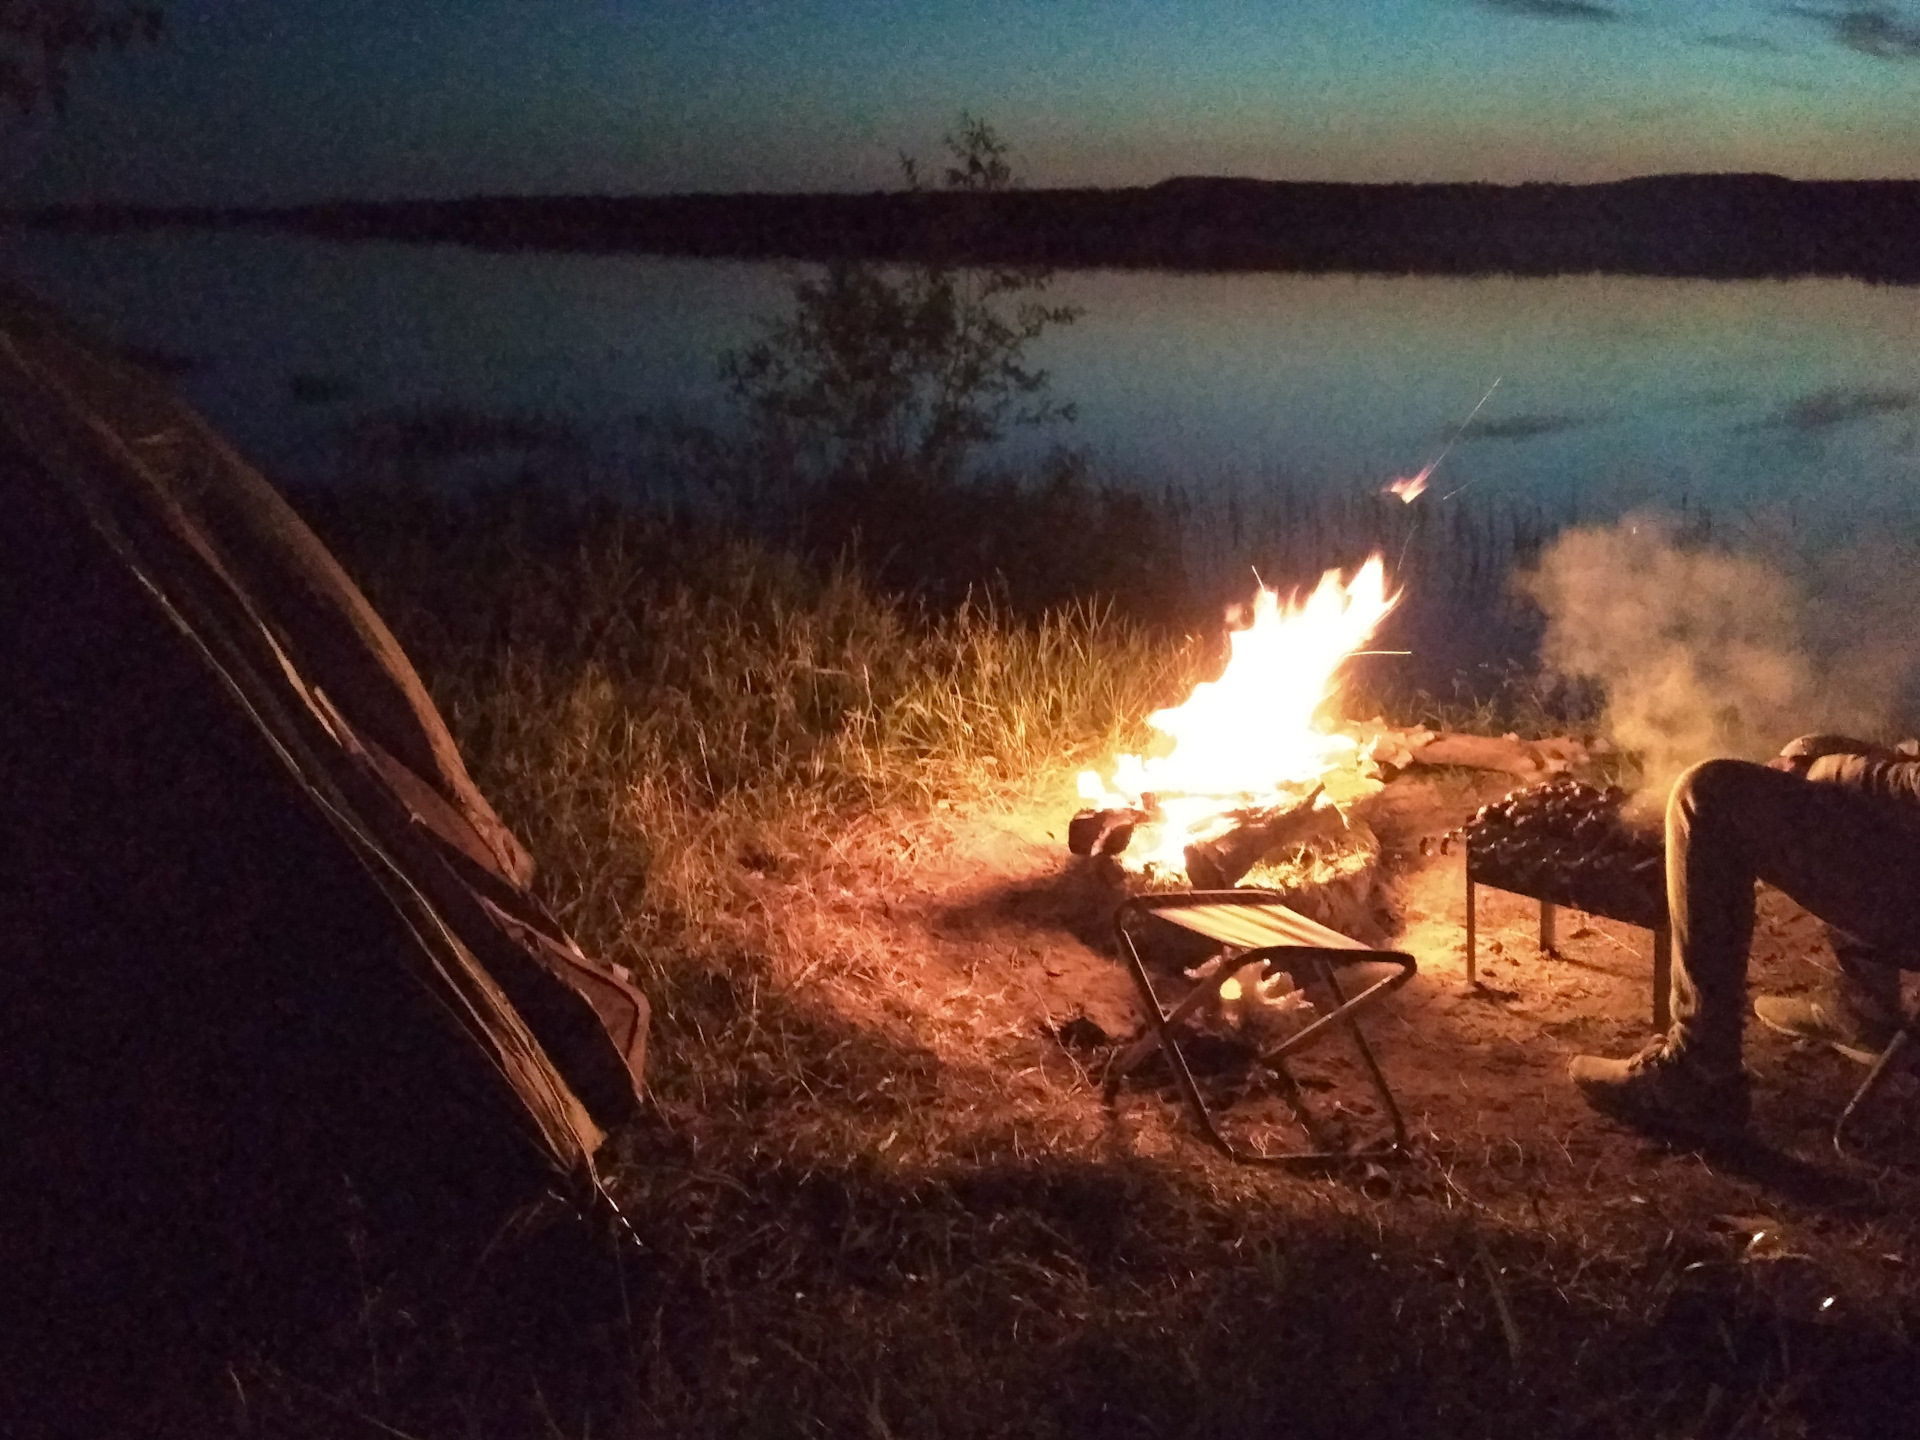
[1713,226]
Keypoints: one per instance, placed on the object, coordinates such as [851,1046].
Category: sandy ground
[1007,935]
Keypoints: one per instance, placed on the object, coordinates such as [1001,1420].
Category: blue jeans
[1852,859]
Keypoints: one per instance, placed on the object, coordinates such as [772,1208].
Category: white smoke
[1704,651]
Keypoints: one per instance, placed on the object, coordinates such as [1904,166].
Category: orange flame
[1253,736]
[1410,488]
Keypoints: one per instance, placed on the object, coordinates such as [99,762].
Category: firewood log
[1529,759]
[1217,863]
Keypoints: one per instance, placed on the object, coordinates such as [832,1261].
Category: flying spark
[1409,488]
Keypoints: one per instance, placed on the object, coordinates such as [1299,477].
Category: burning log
[1218,862]
[1102,832]
[1569,843]
[1242,742]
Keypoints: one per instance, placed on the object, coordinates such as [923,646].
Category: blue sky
[260,100]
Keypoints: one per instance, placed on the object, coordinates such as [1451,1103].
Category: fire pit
[1223,853]
[1250,780]
[1247,764]
[1566,843]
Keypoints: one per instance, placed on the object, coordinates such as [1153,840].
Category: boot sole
[1669,1123]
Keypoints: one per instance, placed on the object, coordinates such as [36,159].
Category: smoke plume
[1703,651]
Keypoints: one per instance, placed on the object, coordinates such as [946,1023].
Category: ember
[1409,488]
[1249,749]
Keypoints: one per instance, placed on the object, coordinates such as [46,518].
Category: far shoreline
[1719,227]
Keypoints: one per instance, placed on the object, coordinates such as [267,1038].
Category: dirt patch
[1007,944]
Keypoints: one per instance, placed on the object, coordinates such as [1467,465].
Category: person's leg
[1710,879]
[1861,1011]
[1849,858]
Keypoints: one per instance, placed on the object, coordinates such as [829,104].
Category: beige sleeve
[1891,779]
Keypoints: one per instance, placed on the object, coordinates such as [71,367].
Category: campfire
[1251,760]
[1254,764]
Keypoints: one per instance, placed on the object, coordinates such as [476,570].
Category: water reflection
[1798,395]
[1614,391]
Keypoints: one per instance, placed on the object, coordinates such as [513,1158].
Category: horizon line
[1771,177]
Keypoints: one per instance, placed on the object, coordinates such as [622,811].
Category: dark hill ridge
[1713,226]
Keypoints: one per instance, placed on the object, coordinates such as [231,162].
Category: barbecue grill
[1566,844]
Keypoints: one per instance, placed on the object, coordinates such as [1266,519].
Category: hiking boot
[1662,1088]
[1827,1022]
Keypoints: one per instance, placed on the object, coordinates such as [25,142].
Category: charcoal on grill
[1568,842]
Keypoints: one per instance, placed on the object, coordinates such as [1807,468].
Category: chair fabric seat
[1256,925]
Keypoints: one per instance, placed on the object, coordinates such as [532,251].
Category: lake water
[1802,395]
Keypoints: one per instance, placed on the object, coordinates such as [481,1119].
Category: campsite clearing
[908,1194]
[875,1194]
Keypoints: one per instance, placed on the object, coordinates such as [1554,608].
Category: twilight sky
[266,100]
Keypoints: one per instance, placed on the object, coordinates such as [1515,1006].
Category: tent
[272,979]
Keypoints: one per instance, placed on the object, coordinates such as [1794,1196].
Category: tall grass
[665,711]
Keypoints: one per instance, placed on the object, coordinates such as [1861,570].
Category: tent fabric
[270,967]
[301,651]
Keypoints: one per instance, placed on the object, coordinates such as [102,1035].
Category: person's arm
[1881,772]
[1859,765]
[1800,754]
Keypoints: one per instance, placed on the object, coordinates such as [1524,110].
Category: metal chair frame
[1884,1065]
[1308,943]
